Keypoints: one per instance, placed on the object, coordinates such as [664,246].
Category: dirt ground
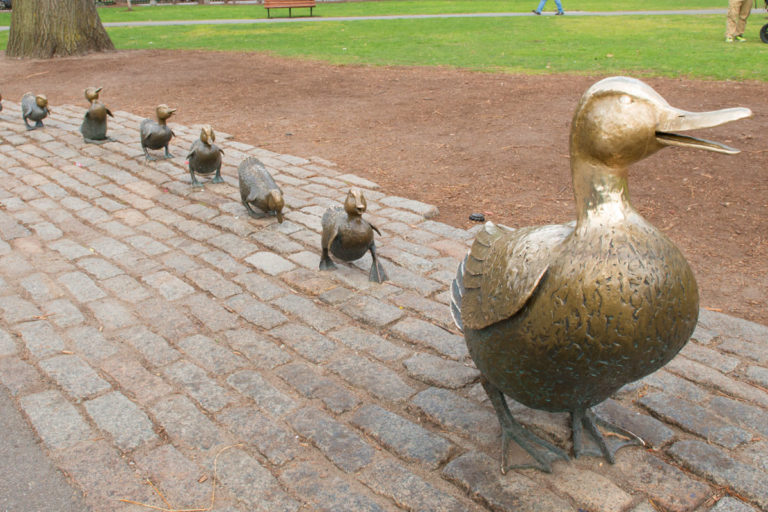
[465,141]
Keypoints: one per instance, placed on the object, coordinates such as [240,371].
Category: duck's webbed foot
[253,213]
[377,273]
[543,452]
[218,178]
[193,179]
[325,261]
[167,153]
[584,420]
[147,156]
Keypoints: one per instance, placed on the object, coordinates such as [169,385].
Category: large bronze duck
[157,134]
[34,107]
[559,317]
[205,157]
[348,236]
[94,126]
[259,190]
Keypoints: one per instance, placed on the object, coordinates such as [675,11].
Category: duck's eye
[625,100]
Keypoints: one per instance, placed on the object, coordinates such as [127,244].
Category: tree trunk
[56,28]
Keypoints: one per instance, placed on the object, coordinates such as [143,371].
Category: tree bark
[56,28]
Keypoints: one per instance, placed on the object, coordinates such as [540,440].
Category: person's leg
[746,8]
[559,5]
[732,18]
[541,6]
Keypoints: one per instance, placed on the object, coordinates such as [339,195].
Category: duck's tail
[457,292]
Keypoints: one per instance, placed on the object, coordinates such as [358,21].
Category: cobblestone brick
[407,490]
[126,288]
[714,464]
[375,378]
[15,309]
[728,504]
[211,355]
[277,242]
[707,376]
[676,386]
[440,372]
[167,320]
[90,343]
[270,263]
[275,441]
[266,396]
[364,341]
[169,286]
[69,249]
[653,432]
[210,314]
[252,483]
[199,386]
[309,281]
[255,311]
[99,268]
[317,318]
[173,473]
[63,313]
[755,351]
[154,348]
[7,344]
[40,287]
[185,425]
[261,352]
[40,338]
[75,376]
[338,442]
[214,283]
[758,375]
[307,382]
[744,415]
[260,286]
[56,421]
[81,286]
[710,357]
[422,333]
[372,311]
[310,344]
[18,377]
[696,419]
[591,490]
[112,314]
[124,421]
[326,491]
[134,379]
[434,311]
[665,484]
[458,414]
[479,475]
[403,437]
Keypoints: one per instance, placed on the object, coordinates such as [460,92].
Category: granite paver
[146,325]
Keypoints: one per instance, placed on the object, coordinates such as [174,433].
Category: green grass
[674,45]
[201,12]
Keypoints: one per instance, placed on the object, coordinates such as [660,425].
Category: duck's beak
[674,120]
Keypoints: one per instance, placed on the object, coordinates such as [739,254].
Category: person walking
[559,5]
[736,21]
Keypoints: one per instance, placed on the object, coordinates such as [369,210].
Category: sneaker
[559,13]
[740,39]
[537,13]
[728,39]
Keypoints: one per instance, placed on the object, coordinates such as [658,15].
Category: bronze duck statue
[348,236]
[559,317]
[205,157]
[94,126]
[259,190]
[34,107]
[157,134]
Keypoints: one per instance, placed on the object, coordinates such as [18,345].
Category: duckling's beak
[279,216]
[673,120]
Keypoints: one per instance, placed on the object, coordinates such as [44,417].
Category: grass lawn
[674,45]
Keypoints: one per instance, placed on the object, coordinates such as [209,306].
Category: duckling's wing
[145,129]
[193,149]
[109,113]
[503,269]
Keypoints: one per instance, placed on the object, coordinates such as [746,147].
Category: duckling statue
[559,317]
[34,107]
[157,134]
[348,236]
[258,189]
[205,157]
[94,127]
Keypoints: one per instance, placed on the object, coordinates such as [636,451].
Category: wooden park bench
[289,4]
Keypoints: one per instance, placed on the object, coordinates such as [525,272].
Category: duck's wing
[109,113]
[145,129]
[193,149]
[501,272]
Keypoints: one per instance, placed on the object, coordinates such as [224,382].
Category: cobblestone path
[148,327]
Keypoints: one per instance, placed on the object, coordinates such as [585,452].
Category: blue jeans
[557,3]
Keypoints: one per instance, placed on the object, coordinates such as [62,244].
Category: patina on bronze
[34,107]
[559,317]
[205,157]
[348,236]
[259,190]
[157,134]
[94,126]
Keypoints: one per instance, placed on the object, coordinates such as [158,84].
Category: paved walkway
[317,18]
[150,331]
